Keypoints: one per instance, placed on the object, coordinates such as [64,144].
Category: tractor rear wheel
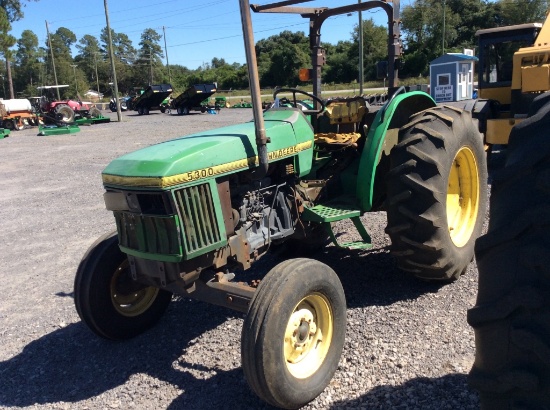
[511,319]
[108,300]
[437,193]
[293,334]
[64,113]
[94,112]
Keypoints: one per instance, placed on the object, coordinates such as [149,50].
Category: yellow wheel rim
[130,303]
[463,197]
[308,335]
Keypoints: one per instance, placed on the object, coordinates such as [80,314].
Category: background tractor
[194,214]
[63,111]
[513,69]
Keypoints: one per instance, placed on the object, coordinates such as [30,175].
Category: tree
[281,56]
[6,42]
[28,59]
[149,55]
[339,68]
[89,57]
[11,11]
[61,42]
[525,11]
[375,47]
[125,55]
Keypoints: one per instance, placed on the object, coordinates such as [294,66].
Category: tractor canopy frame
[317,16]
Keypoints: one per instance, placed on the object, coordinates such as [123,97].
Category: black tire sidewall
[431,201]
[93,294]
[276,300]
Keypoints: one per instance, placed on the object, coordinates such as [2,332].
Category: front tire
[293,335]
[94,112]
[108,300]
[437,194]
[511,319]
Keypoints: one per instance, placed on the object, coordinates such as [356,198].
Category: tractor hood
[213,153]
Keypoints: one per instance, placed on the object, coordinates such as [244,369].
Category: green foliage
[28,59]
[279,56]
[519,12]
[13,9]
[425,39]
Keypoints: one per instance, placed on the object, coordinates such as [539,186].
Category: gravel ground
[408,345]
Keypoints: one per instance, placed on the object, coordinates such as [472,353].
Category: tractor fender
[393,115]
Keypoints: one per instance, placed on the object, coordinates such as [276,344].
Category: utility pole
[74,72]
[96,77]
[112,57]
[166,52]
[150,66]
[443,36]
[53,61]
[361,73]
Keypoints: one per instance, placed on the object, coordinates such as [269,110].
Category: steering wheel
[294,102]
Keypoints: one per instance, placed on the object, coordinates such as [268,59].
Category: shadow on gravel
[369,278]
[447,392]
[72,364]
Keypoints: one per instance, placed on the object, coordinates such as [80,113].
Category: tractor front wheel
[106,297]
[437,193]
[94,112]
[293,335]
[9,124]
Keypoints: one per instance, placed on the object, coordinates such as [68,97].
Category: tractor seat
[340,124]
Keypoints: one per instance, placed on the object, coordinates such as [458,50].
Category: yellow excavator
[513,69]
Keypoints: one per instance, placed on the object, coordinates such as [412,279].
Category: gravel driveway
[408,345]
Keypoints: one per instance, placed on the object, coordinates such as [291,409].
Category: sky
[196,30]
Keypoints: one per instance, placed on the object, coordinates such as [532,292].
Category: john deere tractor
[193,213]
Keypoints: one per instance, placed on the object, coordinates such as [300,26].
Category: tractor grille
[200,226]
[149,234]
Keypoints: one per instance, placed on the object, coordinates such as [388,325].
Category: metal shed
[452,77]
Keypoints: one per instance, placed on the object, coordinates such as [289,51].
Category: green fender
[392,116]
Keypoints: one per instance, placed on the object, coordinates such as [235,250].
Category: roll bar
[317,16]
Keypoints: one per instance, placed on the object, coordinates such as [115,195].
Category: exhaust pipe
[254,83]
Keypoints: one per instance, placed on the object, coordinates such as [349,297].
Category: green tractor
[192,214]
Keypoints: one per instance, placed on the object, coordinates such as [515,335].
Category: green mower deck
[95,120]
[4,132]
[45,130]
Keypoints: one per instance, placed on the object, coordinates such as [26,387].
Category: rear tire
[64,113]
[293,334]
[108,300]
[437,193]
[511,319]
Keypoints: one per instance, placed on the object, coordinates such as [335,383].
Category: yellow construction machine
[513,69]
